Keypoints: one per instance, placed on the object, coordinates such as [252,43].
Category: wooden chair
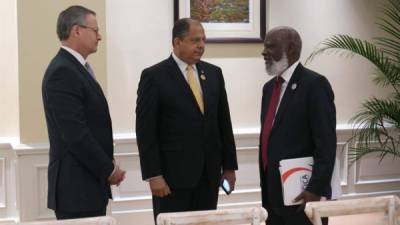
[104,220]
[254,216]
[390,205]
[7,222]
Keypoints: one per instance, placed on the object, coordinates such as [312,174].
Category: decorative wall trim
[8,186]
[5,146]
[41,192]
[3,189]
[33,149]
[8,221]
[341,155]
[132,199]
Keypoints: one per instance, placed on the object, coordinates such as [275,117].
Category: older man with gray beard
[298,119]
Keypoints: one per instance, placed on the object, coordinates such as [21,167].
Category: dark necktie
[269,119]
[89,69]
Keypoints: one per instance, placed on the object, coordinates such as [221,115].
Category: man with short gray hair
[81,163]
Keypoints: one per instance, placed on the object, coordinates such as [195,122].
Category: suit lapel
[266,99]
[287,96]
[176,73]
[87,76]
[93,82]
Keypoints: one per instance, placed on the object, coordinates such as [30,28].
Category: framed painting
[226,21]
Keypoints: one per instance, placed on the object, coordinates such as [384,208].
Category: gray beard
[278,67]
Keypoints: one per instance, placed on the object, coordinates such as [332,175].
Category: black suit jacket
[305,125]
[174,138]
[80,135]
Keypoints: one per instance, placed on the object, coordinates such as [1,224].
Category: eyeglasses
[96,30]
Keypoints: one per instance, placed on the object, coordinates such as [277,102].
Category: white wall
[8,70]
[138,36]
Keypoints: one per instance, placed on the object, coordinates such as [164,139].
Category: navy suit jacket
[80,135]
[174,138]
[305,125]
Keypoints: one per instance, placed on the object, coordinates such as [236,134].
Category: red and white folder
[295,175]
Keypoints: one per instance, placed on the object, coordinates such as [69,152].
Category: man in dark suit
[81,166]
[183,126]
[298,119]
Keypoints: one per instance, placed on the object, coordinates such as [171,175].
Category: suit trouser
[283,215]
[202,197]
[62,215]
[299,218]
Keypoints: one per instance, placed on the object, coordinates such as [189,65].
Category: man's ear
[74,31]
[291,52]
[176,41]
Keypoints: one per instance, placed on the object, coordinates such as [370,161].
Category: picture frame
[233,21]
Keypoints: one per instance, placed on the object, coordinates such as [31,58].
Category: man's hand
[306,196]
[159,187]
[117,177]
[230,176]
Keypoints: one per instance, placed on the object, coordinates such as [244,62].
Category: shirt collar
[287,74]
[181,64]
[76,54]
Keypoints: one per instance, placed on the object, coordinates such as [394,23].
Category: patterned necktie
[269,119]
[195,87]
[89,69]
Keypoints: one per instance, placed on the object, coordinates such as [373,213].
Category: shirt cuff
[114,170]
[152,178]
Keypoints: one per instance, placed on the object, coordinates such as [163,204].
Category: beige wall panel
[38,44]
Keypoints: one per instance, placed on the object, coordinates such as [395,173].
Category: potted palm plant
[376,127]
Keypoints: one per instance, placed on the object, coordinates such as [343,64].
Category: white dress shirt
[76,54]
[183,65]
[286,75]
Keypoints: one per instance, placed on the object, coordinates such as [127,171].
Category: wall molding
[3,189]
[132,199]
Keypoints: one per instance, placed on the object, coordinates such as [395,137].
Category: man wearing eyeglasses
[81,164]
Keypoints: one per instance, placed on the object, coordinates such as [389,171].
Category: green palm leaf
[357,153]
[376,124]
[349,46]
[376,127]
[390,47]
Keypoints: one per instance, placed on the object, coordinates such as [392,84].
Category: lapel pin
[202,76]
[294,86]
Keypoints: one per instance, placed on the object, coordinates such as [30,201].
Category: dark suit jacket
[305,125]
[174,138]
[80,134]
